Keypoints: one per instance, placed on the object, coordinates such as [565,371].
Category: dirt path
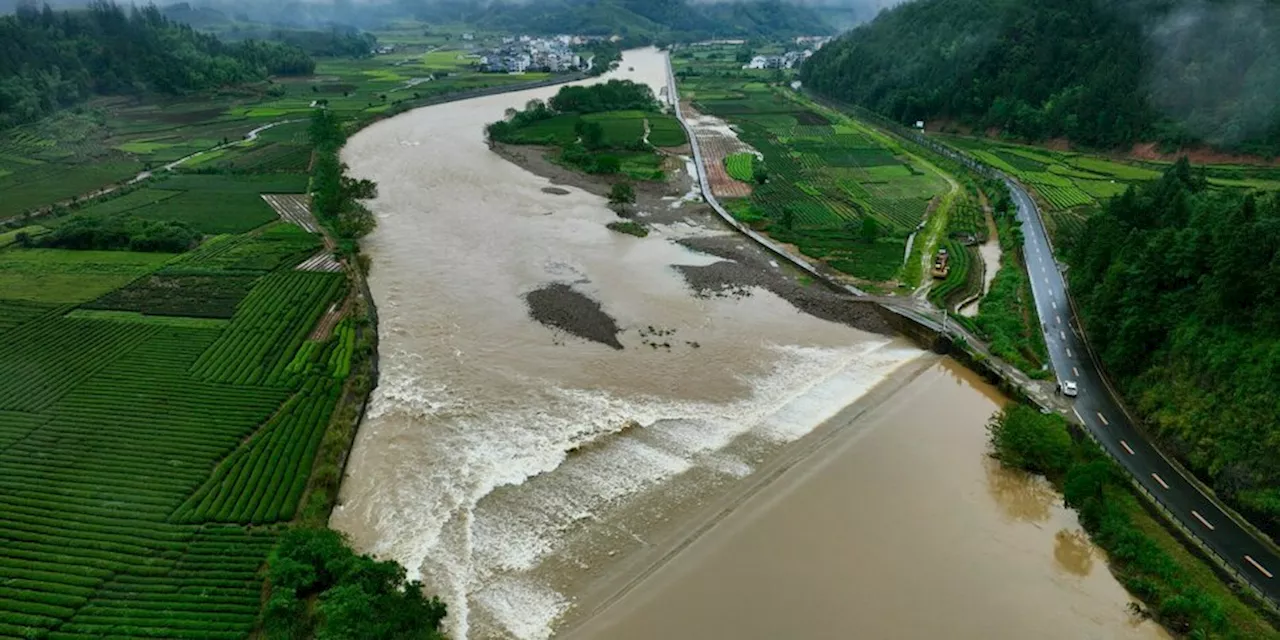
[935,229]
[331,318]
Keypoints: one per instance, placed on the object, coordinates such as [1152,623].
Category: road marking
[1201,519]
[1078,416]
[1046,279]
[1063,334]
[1069,352]
[1075,372]
[1160,480]
[1127,447]
[1257,566]
[1103,419]
[1054,305]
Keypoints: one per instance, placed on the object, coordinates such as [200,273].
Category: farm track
[295,208]
[324,328]
[321,262]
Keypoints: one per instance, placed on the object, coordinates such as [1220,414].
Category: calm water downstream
[529,477]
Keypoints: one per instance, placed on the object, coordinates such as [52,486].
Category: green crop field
[962,279]
[154,404]
[58,276]
[138,432]
[208,203]
[1071,184]
[826,172]
[665,131]
[739,166]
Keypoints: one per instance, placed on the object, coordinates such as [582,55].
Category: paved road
[1101,413]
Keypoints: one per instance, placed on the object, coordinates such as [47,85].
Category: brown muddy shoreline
[744,266]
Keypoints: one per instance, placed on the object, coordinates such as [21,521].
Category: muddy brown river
[543,484]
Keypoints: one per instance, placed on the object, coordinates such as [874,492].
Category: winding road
[1100,411]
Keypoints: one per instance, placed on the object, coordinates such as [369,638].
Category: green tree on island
[622,193]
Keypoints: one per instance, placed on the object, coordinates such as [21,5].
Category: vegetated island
[613,139]
[612,129]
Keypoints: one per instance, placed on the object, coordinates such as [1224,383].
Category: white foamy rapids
[524,608]
[500,493]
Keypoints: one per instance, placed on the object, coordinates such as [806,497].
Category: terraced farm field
[1072,184]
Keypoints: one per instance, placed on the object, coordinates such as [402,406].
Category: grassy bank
[1178,589]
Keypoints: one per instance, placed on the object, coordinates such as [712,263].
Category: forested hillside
[1179,287]
[53,59]
[639,19]
[1103,74]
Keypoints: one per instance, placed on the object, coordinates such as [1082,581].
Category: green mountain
[639,19]
[1104,74]
[1179,287]
[50,60]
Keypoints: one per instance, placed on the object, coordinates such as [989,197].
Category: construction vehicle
[941,264]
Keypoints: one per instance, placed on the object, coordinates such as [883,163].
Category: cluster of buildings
[525,53]
[788,60]
[791,59]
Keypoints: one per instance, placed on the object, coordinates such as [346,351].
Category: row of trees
[50,60]
[1179,288]
[121,232]
[336,196]
[1102,74]
[614,95]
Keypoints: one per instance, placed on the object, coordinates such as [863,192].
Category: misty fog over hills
[731,17]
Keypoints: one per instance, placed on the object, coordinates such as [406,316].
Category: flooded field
[529,476]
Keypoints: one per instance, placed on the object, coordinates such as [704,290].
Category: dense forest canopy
[54,59]
[651,19]
[1104,74]
[1179,288]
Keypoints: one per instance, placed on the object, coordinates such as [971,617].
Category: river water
[527,476]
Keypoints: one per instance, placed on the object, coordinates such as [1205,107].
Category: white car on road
[1069,388]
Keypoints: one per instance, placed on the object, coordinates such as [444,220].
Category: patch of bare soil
[1151,151]
[649,194]
[745,266]
[559,306]
[718,141]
